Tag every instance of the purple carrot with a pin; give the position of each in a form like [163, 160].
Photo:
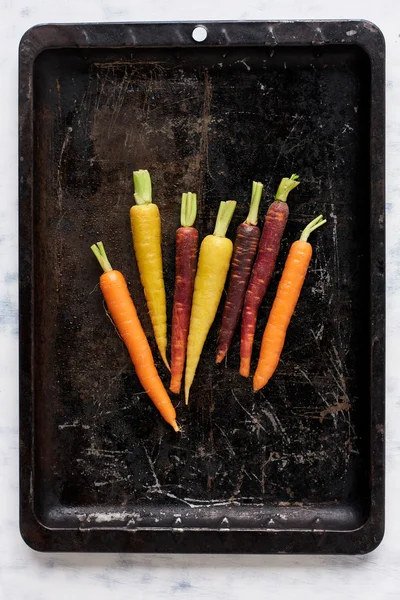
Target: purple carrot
[187, 241]
[274, 226]
[244, 251]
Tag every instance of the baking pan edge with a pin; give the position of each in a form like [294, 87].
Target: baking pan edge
[42, 37]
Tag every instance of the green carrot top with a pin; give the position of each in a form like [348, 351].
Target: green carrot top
[286, 185]
[312, 227]
[224, 217]
[100, 254]
[256, 192]
[188, 209]
[142, 186]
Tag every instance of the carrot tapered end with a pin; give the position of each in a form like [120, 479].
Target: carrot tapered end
[259, 382]
[175, 385]
[187, 395]
[165, 360]
[175, 426]
[244, 367]
[220, 356]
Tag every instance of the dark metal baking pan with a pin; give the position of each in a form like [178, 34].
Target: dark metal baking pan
[297, 468]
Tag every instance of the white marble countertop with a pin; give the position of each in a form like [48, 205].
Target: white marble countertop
[25, 574]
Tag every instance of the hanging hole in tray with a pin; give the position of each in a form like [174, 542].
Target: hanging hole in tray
[199, 34]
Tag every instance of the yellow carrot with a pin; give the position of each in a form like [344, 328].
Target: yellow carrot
[212, 269]
[146, 232]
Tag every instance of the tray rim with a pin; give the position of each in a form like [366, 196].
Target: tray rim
[178, 34]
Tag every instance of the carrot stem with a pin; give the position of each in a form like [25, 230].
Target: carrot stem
[100, 254]
[142, 183]
[317, 222]
[188, 209]
[256, 193]
[224, 217]
[286, 185]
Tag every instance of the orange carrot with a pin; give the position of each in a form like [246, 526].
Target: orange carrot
[284, 304]
[124, 315]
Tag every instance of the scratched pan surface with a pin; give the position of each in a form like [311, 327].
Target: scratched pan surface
[295, 468]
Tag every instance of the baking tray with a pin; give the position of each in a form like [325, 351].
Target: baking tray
[296, 468]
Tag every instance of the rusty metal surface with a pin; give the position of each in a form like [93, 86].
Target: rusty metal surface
[297, 467]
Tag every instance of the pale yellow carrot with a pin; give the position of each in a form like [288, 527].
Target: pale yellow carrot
[212, 269]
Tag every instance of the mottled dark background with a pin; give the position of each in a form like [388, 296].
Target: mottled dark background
[245, 114]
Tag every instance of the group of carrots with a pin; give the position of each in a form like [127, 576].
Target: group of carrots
[199, 283]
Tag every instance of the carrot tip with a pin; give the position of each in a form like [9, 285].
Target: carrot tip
[187, 390]
[175, 426]
[245, 367]
[175, 383]
[258, 383]
[166, 363]
[220, 357]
